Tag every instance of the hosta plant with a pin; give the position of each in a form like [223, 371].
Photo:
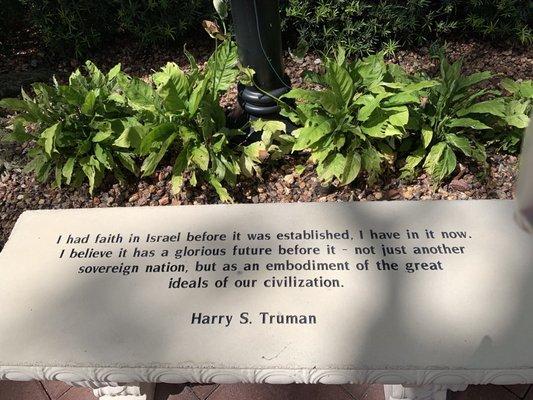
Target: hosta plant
[79, 128]
[182, 115]
[518, 106]
[451, 119]
[353, 123]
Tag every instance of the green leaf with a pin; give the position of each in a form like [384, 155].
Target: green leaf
[130, 138]
[177, 171]
[127, 161]
[326, 98]
[333, 166]
[90, 100]
[261, 125]
[14, 104]
[197, 96]
[311, 96]
[157, 135]
[49, 136]
[103, 156]
[494, 107]
[440, 162]
[97, 78]
[222, 67]
[525, 89]
[467, 123]
[510, 85]
[460, 142]
[153, 160]
[101, 136]
[221, 190]
[379, 125]
[401, 99]
[519, 121]
[90, 172]
[140, 95]
[474, 79]
[352, 167]
[200, 156]
[58, 176]
[418, 86]
[68, 168]
[371, 159]
[114, 72]
[371, 70]
[172, 86]
[341, 83]
[412, 162]
[18, 134]
[221, 8]
[309, 135]
[369, 103]
[400, 116]
[427, 136]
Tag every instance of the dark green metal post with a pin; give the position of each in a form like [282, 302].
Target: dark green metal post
[257, 27]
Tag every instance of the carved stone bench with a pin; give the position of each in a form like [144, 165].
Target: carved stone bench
[423, 297]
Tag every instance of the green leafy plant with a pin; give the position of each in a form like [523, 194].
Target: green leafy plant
[517, 109]
[351, 125]
[74, 27]
[452, 118]
[182, 113]
[82, 130]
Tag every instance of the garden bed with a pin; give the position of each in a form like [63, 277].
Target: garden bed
[280, 182]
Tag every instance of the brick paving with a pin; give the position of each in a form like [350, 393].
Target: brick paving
[61, 391]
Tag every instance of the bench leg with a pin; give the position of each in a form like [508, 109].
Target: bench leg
[142, 391]
[429, 392]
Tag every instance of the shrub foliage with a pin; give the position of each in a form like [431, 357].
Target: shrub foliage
[365, 25]
[74, 26]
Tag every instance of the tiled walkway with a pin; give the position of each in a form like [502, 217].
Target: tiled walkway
[61, 391]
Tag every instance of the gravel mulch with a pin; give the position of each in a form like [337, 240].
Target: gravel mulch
[279, 182]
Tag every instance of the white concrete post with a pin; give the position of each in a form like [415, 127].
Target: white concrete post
[525, 185]
[427, 392]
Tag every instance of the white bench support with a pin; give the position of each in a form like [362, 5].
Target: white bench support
[142, 391]
[429, 392]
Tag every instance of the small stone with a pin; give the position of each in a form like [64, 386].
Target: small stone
[134, 198]
[408, 193]
[20, 197]
[393, 194]
[41, 202]
[378, 195]
[289, 179]
[459, 185]
[164, 201]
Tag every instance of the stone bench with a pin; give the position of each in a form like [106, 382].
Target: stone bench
[422, 297]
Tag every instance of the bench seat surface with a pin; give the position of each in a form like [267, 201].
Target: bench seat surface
[465, 308]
